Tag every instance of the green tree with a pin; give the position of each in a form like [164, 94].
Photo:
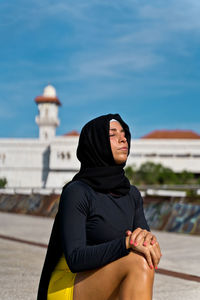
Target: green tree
[3, 182]
[186, 177]
[166, 176]
[150, 173]
[130, 172]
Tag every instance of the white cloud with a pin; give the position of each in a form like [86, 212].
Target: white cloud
[115, 64]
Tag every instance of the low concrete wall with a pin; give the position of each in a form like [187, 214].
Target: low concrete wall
[34, 204]
[162, 213]
[173, 216]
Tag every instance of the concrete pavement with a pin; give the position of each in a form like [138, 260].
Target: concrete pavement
[21, 263]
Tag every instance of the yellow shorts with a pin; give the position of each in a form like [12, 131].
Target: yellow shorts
[61, 285]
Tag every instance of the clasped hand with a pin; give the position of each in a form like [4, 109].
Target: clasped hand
[144, 242]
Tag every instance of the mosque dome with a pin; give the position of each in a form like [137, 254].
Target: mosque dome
[49, 91]
[49, 96]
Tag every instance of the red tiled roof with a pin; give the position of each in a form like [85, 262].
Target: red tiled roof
[172, 134]
[72, 133]
[43, 99]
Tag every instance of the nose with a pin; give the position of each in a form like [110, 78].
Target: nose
[123, 138]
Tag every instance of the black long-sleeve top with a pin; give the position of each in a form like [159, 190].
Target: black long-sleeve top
[90, 229]
[93, 225]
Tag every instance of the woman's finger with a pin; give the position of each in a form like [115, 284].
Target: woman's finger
[147, 239]
[156, 246]
[148, 257]
[141, 236]
[153, 240]
[154, 257]
[134, 235]
[128, 233]
[158, 254]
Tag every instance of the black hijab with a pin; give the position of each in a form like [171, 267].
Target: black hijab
[98, 168]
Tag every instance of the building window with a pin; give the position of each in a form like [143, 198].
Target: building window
[183, 155]
[136, 155]
[150, 155]
[64, 155]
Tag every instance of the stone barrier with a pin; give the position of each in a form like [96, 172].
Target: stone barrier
[162, 213]
[33, 204]
[173, 216]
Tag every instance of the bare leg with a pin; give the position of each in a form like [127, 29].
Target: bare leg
[128, 278]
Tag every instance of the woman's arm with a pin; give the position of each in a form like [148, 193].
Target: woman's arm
[139, 219]
[73, 210]
[141, 239]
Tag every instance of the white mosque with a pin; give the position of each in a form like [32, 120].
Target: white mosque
[49, 161]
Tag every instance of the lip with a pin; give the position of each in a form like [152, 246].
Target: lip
[123, 148]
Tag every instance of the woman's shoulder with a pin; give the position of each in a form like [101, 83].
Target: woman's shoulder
[136, 195]
[134, 190]
[77, 184]
[76, 188]
[75, 199]
[75, 196]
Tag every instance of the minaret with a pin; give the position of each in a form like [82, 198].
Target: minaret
[47, 119]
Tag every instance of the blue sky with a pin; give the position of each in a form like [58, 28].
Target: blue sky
[139, 58]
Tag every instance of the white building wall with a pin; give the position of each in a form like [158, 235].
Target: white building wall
[50, 164]
[63, 163]
[24, 163]
[177, 154]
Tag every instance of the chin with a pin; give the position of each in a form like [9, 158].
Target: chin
[121, 161]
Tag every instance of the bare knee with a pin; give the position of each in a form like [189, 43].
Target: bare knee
[137, 263]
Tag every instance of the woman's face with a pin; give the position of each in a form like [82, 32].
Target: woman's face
[118, 142]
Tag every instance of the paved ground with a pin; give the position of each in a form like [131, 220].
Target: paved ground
[21, 264]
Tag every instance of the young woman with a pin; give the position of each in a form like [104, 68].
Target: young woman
[101, 247]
